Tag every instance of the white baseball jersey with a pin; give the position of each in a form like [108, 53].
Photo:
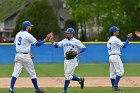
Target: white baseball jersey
[70, 65]
[72, 44]
[23, 41]
[114, 44]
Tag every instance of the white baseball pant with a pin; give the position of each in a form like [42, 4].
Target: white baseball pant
[116, 66]
[24, 60]
[69, 67]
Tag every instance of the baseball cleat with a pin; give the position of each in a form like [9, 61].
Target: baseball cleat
[116, 88]
[11, 91]
[82, 80]
[63, 91]
[41, 91]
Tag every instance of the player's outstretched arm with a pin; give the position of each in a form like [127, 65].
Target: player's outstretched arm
[47, 38]
[55, 44]
[82, 48]
[52, 40]
[43, 41]
[51, 37]
[127, 40]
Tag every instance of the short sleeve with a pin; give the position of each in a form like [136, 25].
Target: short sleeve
[31, 39]
[60, 43]
[119, 43]
[79, 44]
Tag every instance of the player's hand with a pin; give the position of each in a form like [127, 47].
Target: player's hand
[76, 52]
[137, 33]
[130, 35]
[50, 35]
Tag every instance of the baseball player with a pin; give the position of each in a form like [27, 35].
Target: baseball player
[70, 44]
[116, 66]
[23, 41]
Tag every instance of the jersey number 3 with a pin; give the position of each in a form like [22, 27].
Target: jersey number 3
[19, 40]
[109, 47]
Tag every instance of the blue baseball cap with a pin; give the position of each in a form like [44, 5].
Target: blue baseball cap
[70, 31]
[26, 23]
[113, 29]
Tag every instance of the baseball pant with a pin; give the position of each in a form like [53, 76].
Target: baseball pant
[24, 60]
[116, 66]
[69, 67]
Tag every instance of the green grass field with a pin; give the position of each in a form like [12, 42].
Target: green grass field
[84, 69]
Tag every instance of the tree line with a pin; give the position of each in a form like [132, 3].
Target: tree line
[96, 16]
[90, 18]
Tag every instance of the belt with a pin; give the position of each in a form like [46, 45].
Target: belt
[114, 54]
[23, 52]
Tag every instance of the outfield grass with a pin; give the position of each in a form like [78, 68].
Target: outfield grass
[84, 69]
[76, 90]
[51, 70]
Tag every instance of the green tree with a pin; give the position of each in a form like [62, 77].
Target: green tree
[106, 13]
[132, 11]
[42, 16]
[81, 13]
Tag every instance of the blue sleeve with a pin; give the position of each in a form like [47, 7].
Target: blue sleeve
[126, 43]
[82, 49]
[40, 43]
[56, 45]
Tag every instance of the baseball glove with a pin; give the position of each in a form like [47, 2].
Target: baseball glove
[70, 55]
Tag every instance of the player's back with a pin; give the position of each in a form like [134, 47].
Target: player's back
[22, 41]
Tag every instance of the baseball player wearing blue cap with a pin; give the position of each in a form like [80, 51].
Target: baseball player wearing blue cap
[70, 44]
[116, 66]
[23, 41]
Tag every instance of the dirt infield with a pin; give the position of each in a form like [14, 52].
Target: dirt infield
[58, 82]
